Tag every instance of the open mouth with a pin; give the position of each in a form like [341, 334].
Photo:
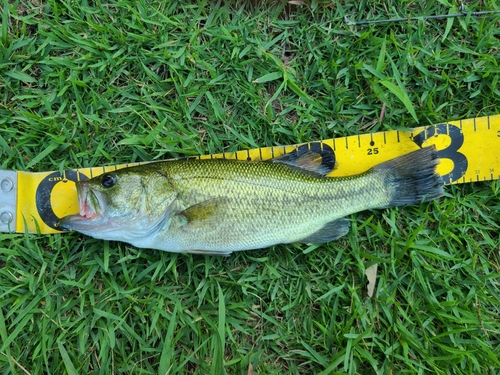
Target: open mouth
[87, 201]
[91, 204]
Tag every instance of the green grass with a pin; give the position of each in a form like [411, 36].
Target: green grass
[91, 83]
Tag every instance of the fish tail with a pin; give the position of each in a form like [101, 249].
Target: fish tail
[412, 178]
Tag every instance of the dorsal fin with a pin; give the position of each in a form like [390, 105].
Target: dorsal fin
[317, 161]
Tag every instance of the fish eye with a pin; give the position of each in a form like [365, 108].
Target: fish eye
[108, 180]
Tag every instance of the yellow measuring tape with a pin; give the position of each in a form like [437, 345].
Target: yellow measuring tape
[469, 152]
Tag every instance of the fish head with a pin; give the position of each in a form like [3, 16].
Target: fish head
[124, 205]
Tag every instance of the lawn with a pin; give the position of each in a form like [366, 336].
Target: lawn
[90, 83]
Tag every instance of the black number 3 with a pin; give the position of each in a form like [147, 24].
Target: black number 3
[460, 162]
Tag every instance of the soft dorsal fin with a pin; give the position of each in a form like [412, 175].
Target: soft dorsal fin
[318, 162]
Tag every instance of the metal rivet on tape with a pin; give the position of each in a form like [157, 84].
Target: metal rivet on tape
[6, 184]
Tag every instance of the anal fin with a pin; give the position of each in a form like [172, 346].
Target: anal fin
[331, 231]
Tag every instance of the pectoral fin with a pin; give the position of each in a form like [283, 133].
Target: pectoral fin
[331, 231]
[196, 215]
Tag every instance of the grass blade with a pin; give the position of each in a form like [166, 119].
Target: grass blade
[268, 77]
[168, 345]
[20, 76]
[5, 22]
[70, 368]
[51, 147]
[401, 95]
[219, 340]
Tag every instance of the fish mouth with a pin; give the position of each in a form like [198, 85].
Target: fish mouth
[92, 204]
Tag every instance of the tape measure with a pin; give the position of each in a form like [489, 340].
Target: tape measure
[468, 149]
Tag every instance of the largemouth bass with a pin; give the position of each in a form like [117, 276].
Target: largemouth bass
[217, 206]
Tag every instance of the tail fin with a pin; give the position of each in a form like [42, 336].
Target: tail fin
[412, 177]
